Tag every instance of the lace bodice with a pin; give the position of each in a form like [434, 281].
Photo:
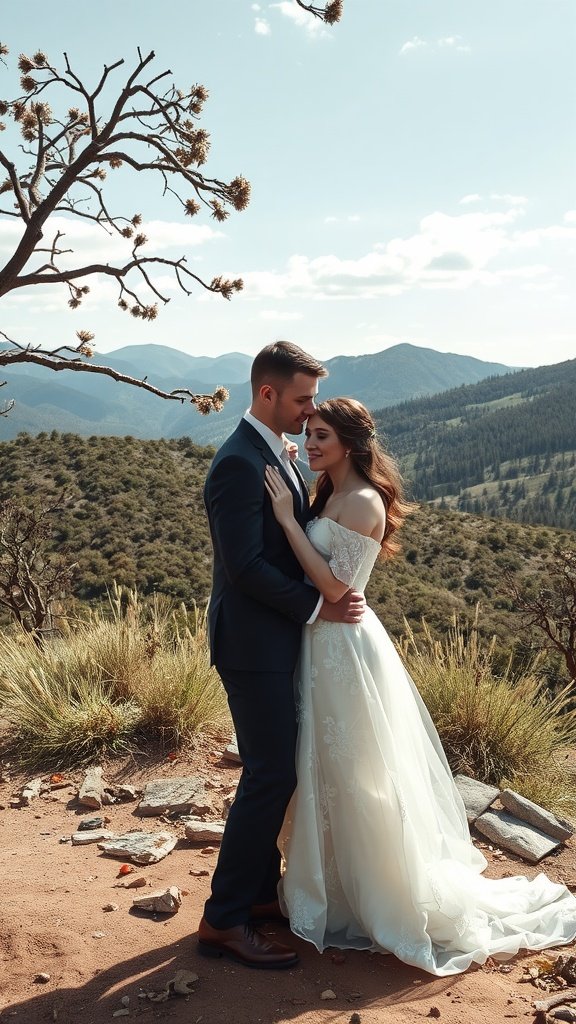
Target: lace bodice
[350, 555]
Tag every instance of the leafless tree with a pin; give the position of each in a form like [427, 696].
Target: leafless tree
[31, 578]
[550, 605]
[150, 127]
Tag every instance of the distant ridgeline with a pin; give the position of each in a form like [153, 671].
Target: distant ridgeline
[134, 513]
[503, 447]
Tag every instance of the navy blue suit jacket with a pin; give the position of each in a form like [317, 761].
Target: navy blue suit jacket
[259, 601]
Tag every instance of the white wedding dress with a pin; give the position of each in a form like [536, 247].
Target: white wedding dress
[376, 844]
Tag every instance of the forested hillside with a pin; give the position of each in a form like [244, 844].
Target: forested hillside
[133, 512]
[505, 446]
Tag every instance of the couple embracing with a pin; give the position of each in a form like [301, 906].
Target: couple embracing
[346, 821]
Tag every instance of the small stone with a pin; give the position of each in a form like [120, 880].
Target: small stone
[180, 795]
[203, 831]
[91, 792]
[198, 874]
[30, 791]
[125, 1000]
[127, 792]
[167, 901]
[86, 838]
[433, 1012]
[42, 978]
[182, 981]
[355, 1018]
[141, 847]
[135, 883]
[98, 935]
[108, 908]
[124, 1012]
[89, 823]
[231, 752]
[208, 850]
[328, 994]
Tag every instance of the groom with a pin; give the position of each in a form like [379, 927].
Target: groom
[258, 606]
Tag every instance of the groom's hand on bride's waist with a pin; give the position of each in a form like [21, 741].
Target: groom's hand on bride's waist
[350, 608]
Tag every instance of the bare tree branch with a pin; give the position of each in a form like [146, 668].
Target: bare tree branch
[145, 131]
[31, 579]
[51, 360]
[330, 12]
[550, 604]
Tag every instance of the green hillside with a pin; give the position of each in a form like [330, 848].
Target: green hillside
[505, 446]
[135, 514]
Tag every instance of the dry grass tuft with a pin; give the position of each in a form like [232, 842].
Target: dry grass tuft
[133, 670]
[505, 729]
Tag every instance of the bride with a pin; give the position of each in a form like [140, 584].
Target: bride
[375, 842]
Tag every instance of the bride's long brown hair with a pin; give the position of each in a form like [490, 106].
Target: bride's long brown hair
[355, 429]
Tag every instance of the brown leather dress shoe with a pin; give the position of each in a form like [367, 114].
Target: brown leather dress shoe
[268, 912]
[244, 945]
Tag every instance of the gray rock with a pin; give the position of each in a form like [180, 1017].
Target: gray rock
[91, 793]
[30, 791]
[515, 835]
[125, 792]
[535, 815]
[140, 847]
[177, 796]
[203, 831]
[89, 823]
[477, 796]
[92, 836]
[166, 901]
[231, 752]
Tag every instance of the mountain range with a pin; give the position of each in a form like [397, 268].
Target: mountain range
[91, 404]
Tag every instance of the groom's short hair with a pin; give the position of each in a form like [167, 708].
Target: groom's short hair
[280, 361]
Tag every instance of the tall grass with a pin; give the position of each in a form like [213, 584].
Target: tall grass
[500, 727]
[133, 670]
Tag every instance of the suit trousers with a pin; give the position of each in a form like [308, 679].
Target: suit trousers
[248, 869]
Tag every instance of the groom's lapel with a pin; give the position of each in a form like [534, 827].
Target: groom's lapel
[270, 459]
[303, 488]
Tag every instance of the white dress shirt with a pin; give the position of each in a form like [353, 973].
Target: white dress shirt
[276, 443]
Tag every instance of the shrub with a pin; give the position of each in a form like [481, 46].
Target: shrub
[134, 669]
[503, 729]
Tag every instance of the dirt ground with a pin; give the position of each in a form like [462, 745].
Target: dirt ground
[52, 920]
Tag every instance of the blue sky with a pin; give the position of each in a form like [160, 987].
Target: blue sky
[413, 172]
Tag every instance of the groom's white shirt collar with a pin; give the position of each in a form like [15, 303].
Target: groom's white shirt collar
[272, 440]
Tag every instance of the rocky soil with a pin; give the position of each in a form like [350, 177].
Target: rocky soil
[65, 958]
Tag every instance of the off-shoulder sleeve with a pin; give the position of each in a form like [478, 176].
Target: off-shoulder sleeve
[348, 552]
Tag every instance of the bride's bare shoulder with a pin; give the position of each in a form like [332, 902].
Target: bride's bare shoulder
[363, 511]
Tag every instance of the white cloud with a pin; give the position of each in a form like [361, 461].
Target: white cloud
[570, 217]
[413, 44]
[262, 27]
[313, 27]
[90, 242]
[498, 197]
[275, 314]
[256, 7]
[454, 43]
[350, 218]
[508, 199]
[482, 248]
